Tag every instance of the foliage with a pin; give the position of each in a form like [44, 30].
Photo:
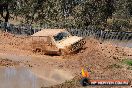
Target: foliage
[128, 62]
[69, 13]
[95, 12]
[120, 25]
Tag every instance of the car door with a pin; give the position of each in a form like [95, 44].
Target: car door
[50, 46]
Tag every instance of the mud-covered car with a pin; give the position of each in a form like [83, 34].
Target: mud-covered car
[56, 41]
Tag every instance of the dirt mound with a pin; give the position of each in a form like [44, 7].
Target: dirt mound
[10, 41]
[102, 60]
[98, 55]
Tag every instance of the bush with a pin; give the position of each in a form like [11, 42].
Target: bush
[120, 25]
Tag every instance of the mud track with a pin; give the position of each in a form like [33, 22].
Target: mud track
[103, 60]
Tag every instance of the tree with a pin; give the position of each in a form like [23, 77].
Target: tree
[5, 7]
[129, 6]
[67, 13]
[94, 12]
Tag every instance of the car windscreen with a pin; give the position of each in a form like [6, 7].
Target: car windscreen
[61, 35]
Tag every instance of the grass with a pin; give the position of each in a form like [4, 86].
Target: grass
[128, 62]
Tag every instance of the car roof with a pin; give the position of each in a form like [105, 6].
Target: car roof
[48, 32]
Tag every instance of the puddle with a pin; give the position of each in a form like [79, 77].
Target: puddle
[25, 78]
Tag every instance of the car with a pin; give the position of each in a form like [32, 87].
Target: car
[56, 41]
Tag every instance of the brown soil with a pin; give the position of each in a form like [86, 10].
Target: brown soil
[103, 60]
[7, 62]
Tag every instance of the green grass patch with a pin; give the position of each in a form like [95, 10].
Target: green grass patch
[128, 62]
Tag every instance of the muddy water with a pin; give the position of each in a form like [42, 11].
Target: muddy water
[25, 78]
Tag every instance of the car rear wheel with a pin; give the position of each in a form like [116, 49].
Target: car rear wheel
[38, 50]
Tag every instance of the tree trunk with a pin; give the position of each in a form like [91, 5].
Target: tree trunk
[7, 16]
[7, 13]
[2, 7]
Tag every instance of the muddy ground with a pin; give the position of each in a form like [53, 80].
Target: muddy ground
[102, 59]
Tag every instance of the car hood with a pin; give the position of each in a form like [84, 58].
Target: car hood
[68, 41]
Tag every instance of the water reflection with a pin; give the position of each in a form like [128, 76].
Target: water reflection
[24, 78]
[18, 78]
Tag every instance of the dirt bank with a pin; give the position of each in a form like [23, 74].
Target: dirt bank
[103, 61]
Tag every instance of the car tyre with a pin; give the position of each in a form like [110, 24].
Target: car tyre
[38, 50]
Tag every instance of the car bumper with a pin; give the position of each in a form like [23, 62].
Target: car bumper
[77, 45]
